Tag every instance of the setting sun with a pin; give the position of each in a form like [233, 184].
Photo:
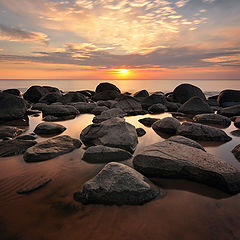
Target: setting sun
[124, 71]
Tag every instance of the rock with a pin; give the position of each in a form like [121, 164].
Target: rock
[35, 93]
[105, 86]
[129, 105]
[49, 128]
[195, 105]
[99, 110]
[50, 98]
[34, 186]
[141, 94]
[72, 97]
[26, 137]
[117, 184]
[213, 102]
[87, 93]
[148, 122]
[230, 111]
[184, 92]
[39, 106]
[51, 148]
[21, 122]
[212, 119]
[59, 110]
[84, 107]
[140, 132]
[236, 133]
[11, 107]
[114, 132]
[197, 131]
[32, 112]
[236, 152]
[7, 131]
[157, 108]
[174, 160]
[108, 103]
[50, 118]
[15, 147]
[168, 125]
[154, 98]
[171, 106]
[186, 141]
[13, 91]
[237, 122]
[102, 154]
[105, 115]
[106, 95]
[228, 98]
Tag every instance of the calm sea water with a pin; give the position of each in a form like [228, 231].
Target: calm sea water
[190, 211]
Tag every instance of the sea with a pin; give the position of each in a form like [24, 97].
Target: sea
[189, 210]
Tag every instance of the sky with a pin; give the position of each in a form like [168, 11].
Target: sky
[109, 39]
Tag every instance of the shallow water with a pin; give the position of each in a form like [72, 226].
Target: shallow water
[188, 211]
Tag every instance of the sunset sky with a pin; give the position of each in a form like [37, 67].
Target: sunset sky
[108, 39]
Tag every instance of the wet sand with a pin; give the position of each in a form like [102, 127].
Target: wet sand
[188, 211]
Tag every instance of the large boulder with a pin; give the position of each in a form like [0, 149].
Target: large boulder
[72, 97]
[84, 107]
[11, 107]
[175, 160]
[141, 94]
[157, 108]
[237, 122]
[107, 103]
[230, 111]
[101, 154]
[195, 105]
[51, 148]
[51, 97]
[105, 86]
[105, 115]
[99, 109]
[236, 152]
[197, 131]
[168, 125]
[115, 132]
[117, 184]
[59, 110]
[9, 132]
[35, 93]
[13, 91]
[154, 98]
[15, 147]
[129, 105]
[49, 128]
[105, 95]
[215, 119]
[148, 122]
[185, 91]
[228, 98]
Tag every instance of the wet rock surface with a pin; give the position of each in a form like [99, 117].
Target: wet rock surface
[236, 152]
[148, 122]
[230, 111]
[49, 128]
[157, 108]
[105, 115]
[228, 98]
[140, 132]
[168, 125]
[84, 107]
[11, 132]
[59, 110]
[117, 184]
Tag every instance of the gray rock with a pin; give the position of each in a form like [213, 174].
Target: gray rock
[148, 122]
[236, 152]
[59, 110]
[184, 92]
[175, 160]
[154, 98]
[105, 95]
[102, 154]
[105, 115]
[171, 106]
[72, 97]
[168, 125]
[230, 111]
[51, 97]
[212, 119]
[140, 132]
[51, 148]
[108, 103]
[84, 107]
[14, 147]
[228, 98]
[186, 141]
[13, 91]
[11, 132]
[98, 110]
[236, 133]
[197, 131]
[26, 137]
[39, 106]
[11, 107]
[237, 122]
[49, 128]
[141, 94]
[195, 105]
[114, 132]
[105, 86]
[157, 108]
[117, 184]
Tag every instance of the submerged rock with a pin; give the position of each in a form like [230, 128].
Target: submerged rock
[168, 125]
[26, 137]
[140, 132]
[11, 132]
[49, 128]
[100, 154]
[185, 91]
[117, 184]
[114, 132]
[197, 131]
[15, 147]
[236, 152]
[230, 111]
[212, 119]
[174, 160]
[148, 122]
[105, 115]
[51, 148]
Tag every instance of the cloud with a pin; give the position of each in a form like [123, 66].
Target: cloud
[181, 3]
[19, 35]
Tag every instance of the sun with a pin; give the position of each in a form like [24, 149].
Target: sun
[123, 71]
